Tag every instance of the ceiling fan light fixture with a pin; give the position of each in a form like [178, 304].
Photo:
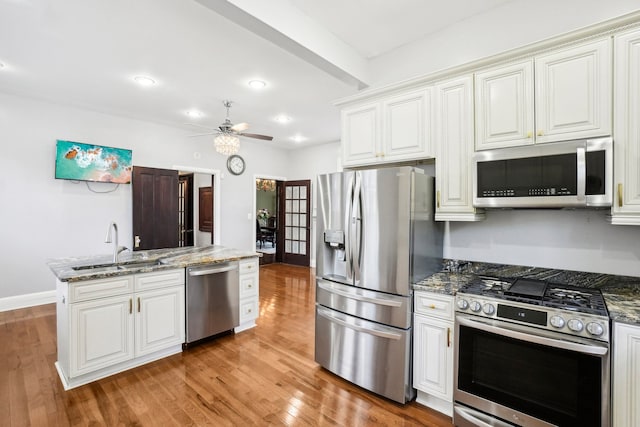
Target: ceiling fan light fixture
[226, 144]
[257, 84]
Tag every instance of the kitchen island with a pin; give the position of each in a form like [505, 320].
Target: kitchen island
[113, 316]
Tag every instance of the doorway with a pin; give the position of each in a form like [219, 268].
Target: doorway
[266, 202]
[283, 220]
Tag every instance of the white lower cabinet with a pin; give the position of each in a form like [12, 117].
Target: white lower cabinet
[433, 350]
[109, 325]
[626, 371]
[249, 292]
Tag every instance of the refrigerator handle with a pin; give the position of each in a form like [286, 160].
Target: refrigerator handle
[347, 229]
[356, 227]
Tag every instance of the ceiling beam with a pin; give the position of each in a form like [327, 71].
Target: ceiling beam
[287, 27]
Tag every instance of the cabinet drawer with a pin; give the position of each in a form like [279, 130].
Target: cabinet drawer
[434, 305]
[159, 279]
[100, 288]
[248, 310]
[248, 266]
[248, 285]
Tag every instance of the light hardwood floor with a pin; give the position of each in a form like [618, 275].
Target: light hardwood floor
[262, 376]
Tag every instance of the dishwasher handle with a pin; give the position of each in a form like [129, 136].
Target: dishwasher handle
[214, 270]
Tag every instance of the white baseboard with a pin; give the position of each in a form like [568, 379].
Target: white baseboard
[27, 300]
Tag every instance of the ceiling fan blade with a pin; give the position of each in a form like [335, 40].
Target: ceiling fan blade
[240, 127]
[256, 136]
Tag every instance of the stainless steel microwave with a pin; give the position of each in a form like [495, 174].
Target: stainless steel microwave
[554, 175]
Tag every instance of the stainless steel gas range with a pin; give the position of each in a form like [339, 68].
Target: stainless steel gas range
[531, 353]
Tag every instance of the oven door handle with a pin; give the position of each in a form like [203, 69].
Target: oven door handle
[536, 339]
[478, 418]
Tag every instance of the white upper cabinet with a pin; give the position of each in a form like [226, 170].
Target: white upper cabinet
[395, 129]
[626, 205]
[568, 96]
[407, 126]
[573, 92]
[454, 133]
[504, 106]
[361, 133]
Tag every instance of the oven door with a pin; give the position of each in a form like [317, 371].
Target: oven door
[528, 376]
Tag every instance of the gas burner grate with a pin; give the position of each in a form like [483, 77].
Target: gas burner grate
[573, 298]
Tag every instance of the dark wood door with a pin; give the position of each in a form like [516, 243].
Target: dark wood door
[205, 202]
[295, 214]
[155, 208]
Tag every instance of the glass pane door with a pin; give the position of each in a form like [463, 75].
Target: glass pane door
[297, 222]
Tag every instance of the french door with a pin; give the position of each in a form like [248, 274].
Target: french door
[295, 214]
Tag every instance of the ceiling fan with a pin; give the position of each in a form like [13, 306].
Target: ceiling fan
[227, 141]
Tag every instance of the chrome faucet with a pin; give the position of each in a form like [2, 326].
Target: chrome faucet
[107, 239]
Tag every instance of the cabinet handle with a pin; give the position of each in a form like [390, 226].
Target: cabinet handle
[130, 306]
[432, 306]
[438, 199]
[620, 195]
[138, 304]
[540, 133]
[448, 337]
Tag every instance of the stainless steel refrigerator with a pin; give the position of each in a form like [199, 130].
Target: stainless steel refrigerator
[375, 236]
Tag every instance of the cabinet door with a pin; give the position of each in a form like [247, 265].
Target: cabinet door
[626, 371]
[361, 134]
[101, 334]
[573, 92]
[433, 357]
[159, 319]
[407, 126]
[626, 206]
[454, 136]
[504, 106]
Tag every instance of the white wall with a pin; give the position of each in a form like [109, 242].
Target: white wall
[308, 163]
[514, 24]
[47, 218]
[580, 240]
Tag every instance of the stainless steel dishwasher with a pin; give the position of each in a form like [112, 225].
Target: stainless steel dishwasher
[212, 300]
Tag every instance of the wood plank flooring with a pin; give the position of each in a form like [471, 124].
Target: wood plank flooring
[263, 376]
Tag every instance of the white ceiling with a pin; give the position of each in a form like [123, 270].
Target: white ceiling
[86, 52]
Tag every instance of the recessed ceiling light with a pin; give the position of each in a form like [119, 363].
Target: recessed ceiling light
[282, 118]
[194, 114]
[2, 65]
[257, 84]
[298, 138]
[144, 80]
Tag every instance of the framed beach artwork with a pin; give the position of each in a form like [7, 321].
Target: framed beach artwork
[86, 162]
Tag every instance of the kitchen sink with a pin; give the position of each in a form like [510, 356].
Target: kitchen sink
[127, 265]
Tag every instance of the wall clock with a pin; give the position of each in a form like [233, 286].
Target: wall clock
[235, 164]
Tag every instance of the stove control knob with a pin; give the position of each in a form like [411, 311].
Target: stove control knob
[463, 304]
[575, 325]
[557, 322]
[475, 306]
[595, 329]
[488, 309]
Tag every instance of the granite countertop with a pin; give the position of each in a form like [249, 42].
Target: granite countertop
[621, 293]
[66, 269]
